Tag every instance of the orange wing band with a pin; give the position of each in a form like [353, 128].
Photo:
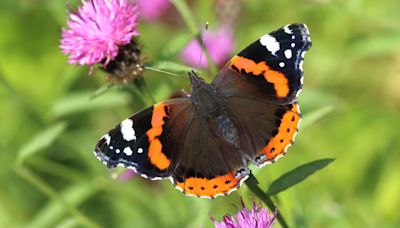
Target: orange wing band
[280, 82]
[203, 187]
[155, 154]
[285, 136]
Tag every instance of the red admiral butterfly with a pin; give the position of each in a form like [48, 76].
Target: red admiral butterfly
[203, 143]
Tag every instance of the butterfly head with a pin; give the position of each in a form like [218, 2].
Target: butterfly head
[195, 80]
[203, 94]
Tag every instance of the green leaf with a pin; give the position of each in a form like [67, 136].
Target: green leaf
[101, 90]
[374, 46]
[175, 45]
[40, 141]
[170, 66]
[314, 116]
[85, 101]
[297, 175]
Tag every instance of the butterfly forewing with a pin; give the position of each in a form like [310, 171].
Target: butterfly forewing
[137, 142]
[275, 61]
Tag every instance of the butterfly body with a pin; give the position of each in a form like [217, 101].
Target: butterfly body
[210, 107]
[204, 143]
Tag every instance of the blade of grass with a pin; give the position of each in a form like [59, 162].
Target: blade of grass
[55, 209]
[56, 169]
[30, 110]
[314, 116]
[40, 141]
[67, 223]
[83, 102]
[202, 209]
[5, 216]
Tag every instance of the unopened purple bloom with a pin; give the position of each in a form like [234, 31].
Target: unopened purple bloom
[257, 217]
[151, 10]
[97, 29]
[127, 175]
[219, 44]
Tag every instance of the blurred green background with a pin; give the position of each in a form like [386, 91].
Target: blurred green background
[49, 176]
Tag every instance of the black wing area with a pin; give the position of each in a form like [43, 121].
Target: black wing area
[274, 62]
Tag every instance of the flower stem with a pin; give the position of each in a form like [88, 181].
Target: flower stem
[142, 85]
[135, 93]
[187, 16]
[252, 184]
[148, 91]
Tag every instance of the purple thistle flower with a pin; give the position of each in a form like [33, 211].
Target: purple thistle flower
[257, 217]
[97, 29]
[219, 44]
[151, 10]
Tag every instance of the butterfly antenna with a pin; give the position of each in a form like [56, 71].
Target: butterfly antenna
[203, 42]
[161, 71]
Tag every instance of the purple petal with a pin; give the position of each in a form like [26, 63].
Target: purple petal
[257, 217]
[219, 45]
[127, 175]
[151, 10]
[97, 29]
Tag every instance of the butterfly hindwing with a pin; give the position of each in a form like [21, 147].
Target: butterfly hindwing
[207, 165]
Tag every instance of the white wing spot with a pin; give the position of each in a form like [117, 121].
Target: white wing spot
[287, 30]
[288, 53]
[117, 151]
[292, 45]
[128, 151]
[128, 133]
[293, 37]
[107, 138]
[140, 150]
[281, 64]
[111, 147]
[270, 43]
